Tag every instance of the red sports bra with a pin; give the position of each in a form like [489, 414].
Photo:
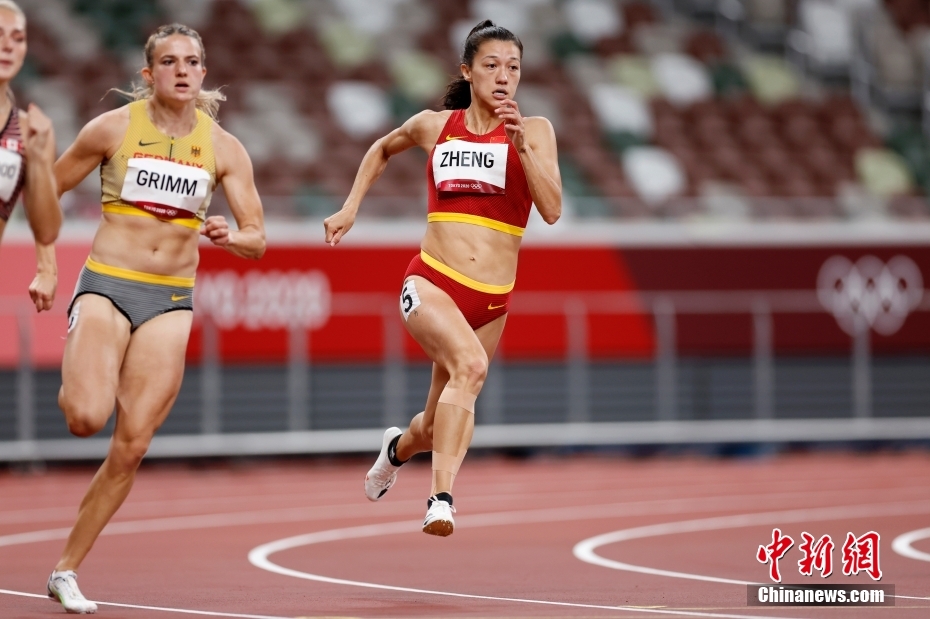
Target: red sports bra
[477, 179]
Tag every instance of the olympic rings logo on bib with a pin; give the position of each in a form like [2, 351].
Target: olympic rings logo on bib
[165, 188]
[470, 167]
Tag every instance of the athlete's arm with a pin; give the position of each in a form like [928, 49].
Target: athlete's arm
[534, 140]
[43, 287]
[234, 172]
[419, 130]
[40, 196]
[99, 139]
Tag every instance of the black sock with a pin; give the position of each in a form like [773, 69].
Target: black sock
[392, 452]
[440, 496]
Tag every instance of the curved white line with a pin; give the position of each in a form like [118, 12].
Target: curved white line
[258, 557]
[204, 521]
[183, 611]
[585, 549]
[902, 544]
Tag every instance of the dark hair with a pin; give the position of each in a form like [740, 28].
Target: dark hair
[458, 92]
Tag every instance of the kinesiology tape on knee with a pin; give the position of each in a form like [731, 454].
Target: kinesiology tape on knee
[445, 462]
[458, 397]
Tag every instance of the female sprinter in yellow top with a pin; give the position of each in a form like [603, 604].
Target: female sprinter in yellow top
[488, 165]
[161, 157]
[27, 142]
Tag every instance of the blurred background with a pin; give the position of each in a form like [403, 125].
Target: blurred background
[741, 256]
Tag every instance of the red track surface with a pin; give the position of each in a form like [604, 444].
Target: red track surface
[183, 538]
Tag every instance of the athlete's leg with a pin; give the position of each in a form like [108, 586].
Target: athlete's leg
[419, 436]
[439, 327]
[97, 340]
[149, 381]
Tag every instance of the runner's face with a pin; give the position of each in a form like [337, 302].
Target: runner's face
[12, 44]
[176, 72]
[494, 72]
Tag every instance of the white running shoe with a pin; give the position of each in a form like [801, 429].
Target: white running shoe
[62, 586]
[438, 519]
[383, 474]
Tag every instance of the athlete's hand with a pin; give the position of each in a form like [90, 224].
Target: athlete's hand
[513, 122]
[337, 224]
[42, 290]
[217, 230]
[38, 135]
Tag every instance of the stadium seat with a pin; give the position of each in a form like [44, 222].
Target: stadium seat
[770, 79]
[360, 108]
[883, 172]
[620, 109]
[681, 79]
[592, 20]
[654, 173]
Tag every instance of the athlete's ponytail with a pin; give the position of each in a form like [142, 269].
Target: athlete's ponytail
[208, 101]
[458, 92]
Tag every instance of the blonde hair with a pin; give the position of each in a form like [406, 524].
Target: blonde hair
[12, 6]
[208, 101]
[9, 5]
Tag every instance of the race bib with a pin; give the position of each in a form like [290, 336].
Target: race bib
[409, 299]
[470, 167]
[11, 164]
[164, 188]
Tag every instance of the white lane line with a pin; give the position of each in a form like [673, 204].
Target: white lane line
[206, 521]
[146, 508]
[323, 512]
[490, 519]
[902, 544]
[258, 557]
[182, 611]
[585, 549]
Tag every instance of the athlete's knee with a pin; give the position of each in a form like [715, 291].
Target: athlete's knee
[127, 454]
[83, 419]
[470, 370]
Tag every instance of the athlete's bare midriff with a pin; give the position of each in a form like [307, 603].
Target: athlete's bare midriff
[147, 245]
[483, 254]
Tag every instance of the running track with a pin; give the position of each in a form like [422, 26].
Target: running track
[659, 538]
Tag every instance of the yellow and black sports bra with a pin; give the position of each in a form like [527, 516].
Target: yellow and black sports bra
[154, 175]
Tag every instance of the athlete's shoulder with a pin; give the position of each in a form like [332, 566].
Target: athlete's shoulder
[228, 151]
[429, 119]
[107, 128]
[114, 116]
[538, 124]
[222, 138]
[425, 127]
[539, 130]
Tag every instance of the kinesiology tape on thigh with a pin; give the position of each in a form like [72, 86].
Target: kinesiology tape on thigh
[458, 397]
